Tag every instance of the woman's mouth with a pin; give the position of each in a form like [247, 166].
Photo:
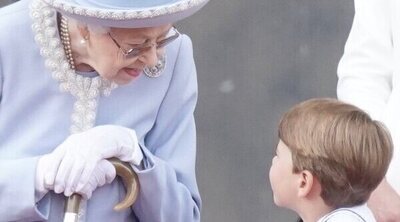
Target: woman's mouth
[132, 71]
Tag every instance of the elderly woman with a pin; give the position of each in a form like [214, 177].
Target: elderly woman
[85, 80]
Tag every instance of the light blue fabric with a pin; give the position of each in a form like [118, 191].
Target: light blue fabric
[35, 118]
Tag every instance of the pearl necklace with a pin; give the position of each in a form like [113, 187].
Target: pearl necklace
[66, 41]
[58, 59]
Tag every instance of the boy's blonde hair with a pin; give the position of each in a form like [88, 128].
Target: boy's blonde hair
[347, 151]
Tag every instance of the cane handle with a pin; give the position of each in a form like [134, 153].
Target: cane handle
[130, 180]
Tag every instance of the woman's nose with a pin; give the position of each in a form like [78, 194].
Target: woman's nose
[150, 57]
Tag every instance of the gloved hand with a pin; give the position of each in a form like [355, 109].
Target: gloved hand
[44, 163]
[72, 163]
[102, 174]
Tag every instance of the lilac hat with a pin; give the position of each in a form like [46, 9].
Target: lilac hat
[127, 13]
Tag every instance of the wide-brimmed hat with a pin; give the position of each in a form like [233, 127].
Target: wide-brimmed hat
[127, 13]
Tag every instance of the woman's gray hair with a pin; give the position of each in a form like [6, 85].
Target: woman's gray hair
[98, 29]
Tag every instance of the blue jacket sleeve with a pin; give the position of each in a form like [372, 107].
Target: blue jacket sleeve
[168, 185]
[17, 175]
[17, 197]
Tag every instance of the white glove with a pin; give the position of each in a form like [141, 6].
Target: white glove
[44, 163]
[102, 174]
[80, 153]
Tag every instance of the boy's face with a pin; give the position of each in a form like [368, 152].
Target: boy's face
[283, 180]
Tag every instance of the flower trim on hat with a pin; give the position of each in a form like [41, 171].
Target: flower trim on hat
[125, 14]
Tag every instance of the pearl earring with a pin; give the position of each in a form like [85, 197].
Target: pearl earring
[83, 41]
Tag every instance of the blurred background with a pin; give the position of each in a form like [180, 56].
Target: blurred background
[255, 59]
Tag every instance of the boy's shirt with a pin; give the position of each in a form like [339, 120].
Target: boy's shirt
[359, 213]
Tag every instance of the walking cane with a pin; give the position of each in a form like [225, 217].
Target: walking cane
[130, 180]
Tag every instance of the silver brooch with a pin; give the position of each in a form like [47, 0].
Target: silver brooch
[157, 70]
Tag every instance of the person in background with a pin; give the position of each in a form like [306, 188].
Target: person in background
[82, 81]
[330, 157]
[368, 74]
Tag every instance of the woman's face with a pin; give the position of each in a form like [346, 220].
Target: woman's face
[109, 60]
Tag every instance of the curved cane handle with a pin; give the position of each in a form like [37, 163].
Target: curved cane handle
[130, 180]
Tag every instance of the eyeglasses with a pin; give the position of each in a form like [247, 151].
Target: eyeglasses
[133, 52]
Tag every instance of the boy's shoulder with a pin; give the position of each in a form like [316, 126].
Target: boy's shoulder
[359, 213]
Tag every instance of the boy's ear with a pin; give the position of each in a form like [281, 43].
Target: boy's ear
[306, 182]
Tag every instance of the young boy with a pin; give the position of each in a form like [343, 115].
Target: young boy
[329, 159]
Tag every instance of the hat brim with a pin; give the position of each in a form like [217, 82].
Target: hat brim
[137, 18]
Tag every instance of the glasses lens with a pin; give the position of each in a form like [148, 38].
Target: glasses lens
[133, 52]
[169, 39]
[137, 51]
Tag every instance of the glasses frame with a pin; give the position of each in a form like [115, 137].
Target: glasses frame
[136, 51]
